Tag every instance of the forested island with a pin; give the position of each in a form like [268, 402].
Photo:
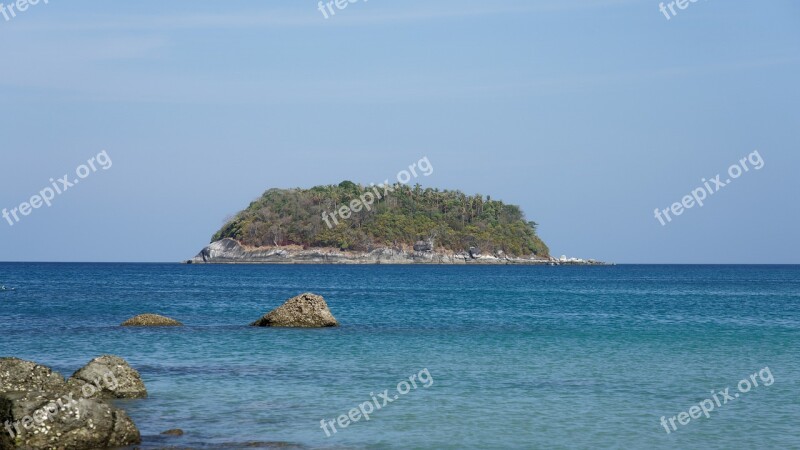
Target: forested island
[352, 223]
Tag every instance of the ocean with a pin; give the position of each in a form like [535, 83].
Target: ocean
[493, 356]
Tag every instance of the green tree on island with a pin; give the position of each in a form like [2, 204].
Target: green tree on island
[453, 220]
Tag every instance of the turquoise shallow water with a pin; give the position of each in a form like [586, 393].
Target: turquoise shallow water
[520, 357]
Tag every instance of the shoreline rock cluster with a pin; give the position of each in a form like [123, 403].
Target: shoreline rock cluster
[230, 251]
[40, 409]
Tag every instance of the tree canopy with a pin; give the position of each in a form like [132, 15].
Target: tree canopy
[453, 220]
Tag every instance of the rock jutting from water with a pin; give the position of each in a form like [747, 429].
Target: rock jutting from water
[108, 376]
[150, 320]
[303, 311]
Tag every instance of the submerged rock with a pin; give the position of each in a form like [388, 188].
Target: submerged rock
[107, 376]
[304, 311]
[150, 320]
[173, 432]
[18, 375]
[45, 420]
[261, 444]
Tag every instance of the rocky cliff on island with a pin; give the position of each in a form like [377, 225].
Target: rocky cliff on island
[398, 224]
[229, 251]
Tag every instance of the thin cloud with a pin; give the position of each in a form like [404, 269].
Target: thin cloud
[358, 14]
[175, 88]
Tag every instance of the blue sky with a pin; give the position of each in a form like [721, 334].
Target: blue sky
[588, 114]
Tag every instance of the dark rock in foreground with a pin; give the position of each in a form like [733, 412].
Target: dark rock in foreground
[44, 420]
[107, 376]
[39, 410]
[304, 311]
[150, 320]
[18, 375]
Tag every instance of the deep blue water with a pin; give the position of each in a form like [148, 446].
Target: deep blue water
[520, 357]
